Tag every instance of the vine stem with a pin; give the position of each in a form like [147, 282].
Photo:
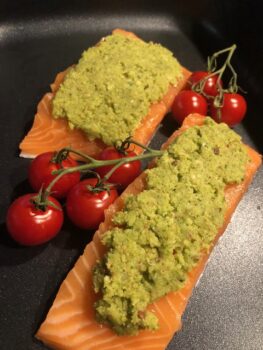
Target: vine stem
[93, 163]
[229, 49]
[199, 86]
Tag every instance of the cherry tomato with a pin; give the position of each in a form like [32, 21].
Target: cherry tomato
[233, 110]
[86, 208]
[40, 174]
[29, 225]
[210, 87]
[123, 175]
[187, 102]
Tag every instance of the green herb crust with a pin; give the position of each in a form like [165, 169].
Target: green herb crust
[110, 90]
[161, 232]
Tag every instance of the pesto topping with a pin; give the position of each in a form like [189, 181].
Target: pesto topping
[110, 90]
[162, 232]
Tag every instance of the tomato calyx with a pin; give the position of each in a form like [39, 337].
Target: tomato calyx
[123, 146]
[41, 201]
[101, 184]
[59, 157]
[100, 187]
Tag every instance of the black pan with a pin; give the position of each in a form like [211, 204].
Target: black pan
[39, 39]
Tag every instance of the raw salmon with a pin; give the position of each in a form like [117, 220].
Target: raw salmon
[50, 134]
[70, 323]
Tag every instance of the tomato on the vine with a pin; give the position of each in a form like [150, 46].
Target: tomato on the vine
[30, 225]
[210, 86]
[40, 174]
[233, 110]
[85, 207]
[187, 102]
[123, 175]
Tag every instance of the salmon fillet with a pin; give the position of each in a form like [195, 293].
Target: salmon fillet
[70, 323]
[50, 134]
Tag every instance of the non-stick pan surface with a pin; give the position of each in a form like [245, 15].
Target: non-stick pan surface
[226, 309]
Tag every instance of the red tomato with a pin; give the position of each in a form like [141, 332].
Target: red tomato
[29, 225]
[210, 87]
[40, 174]
[126, 173]
[86, 208]
[233, 110]
[187, 102]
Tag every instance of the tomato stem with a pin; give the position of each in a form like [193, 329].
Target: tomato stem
[142, 146]
[109, 173]
[124, 146]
